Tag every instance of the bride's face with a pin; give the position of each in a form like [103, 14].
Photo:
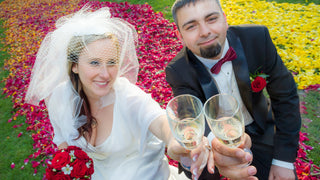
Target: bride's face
[97, 68]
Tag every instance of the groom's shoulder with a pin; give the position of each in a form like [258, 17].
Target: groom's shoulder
[248, 32]
[180, 58]
[248, 29]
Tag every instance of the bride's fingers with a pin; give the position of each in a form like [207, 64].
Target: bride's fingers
[195, 153]
[210, 163]
[200, 158]
[63, 145]
[175, 150]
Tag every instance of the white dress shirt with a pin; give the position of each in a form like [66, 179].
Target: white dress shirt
[226, 83]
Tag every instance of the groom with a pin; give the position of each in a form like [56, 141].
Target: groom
[272, 123]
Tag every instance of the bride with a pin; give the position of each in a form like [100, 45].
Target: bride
[86, 71]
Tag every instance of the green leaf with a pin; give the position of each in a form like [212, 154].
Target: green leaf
[264, 76]
[159, 72]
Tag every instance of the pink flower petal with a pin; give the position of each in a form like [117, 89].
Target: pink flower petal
[12, 165]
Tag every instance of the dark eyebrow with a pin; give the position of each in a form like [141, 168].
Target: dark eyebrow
[189, 22]
[213, 13]
[192, 21]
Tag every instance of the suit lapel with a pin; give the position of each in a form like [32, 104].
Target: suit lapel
[240, 68]
[207, 84]
[241, 71]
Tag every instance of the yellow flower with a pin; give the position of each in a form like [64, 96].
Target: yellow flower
[294, 29]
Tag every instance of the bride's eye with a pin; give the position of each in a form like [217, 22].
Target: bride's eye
[112, 62]
[95, 63]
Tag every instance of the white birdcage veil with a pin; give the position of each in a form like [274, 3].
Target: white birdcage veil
[50, 72]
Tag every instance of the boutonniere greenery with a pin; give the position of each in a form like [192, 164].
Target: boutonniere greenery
[258, 81]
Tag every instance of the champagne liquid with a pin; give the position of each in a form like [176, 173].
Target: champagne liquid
[228, 130]
[188, 133]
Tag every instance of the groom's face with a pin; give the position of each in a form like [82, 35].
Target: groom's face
[203, 28]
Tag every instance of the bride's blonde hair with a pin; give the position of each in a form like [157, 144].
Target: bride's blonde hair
[77, 45]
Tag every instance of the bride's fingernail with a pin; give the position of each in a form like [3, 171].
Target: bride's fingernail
[195, 158]
[194, 172]
[212, 169]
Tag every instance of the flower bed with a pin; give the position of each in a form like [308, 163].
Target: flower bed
[27, 22]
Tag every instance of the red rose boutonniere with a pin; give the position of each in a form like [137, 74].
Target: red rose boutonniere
[71, 163]
[258, 81]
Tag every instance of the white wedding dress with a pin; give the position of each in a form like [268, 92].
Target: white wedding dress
[131, 151]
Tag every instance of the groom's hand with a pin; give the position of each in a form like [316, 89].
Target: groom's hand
[228, 160]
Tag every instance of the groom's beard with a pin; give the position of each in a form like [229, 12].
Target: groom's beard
[211, 51]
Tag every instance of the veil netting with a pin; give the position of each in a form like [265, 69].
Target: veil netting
[50, 80]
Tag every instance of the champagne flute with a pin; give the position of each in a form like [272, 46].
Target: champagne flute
[225, 120]
[187, 124]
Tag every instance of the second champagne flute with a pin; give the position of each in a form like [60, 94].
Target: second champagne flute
[225, 120]
[187, 124]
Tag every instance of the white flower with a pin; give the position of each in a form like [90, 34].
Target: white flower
[72, 155]
[67, 169]
[88, 164]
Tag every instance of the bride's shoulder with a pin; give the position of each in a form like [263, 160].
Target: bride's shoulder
[123, 85]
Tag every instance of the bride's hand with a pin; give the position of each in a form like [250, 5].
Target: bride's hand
[63, 145]
[175, 150]
[200, 158]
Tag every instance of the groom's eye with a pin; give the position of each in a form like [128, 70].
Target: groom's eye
[212, 19]
[191, 26]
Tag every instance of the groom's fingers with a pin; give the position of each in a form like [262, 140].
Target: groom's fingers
[231, 152]
[222, 160]
[246, 142]
[238, 154]
[246, 173]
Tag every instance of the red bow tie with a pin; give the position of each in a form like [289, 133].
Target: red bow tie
[230, 55]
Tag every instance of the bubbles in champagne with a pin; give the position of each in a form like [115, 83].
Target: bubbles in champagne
[188, 133]
[228, 130]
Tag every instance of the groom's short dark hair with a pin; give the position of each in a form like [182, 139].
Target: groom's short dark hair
[181, 3]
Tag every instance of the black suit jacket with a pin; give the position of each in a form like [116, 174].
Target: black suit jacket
[255, 51]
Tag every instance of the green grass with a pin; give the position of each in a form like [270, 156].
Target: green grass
[14, 149]
[312, 100]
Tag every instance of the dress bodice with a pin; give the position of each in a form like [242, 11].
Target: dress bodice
[131, 151]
